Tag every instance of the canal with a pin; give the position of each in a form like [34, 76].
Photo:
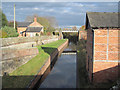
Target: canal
[63, 73]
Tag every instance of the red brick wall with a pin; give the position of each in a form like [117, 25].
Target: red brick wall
[103, 54]
[105, 67]
[82, 34]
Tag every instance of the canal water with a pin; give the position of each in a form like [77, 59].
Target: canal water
[63, 74]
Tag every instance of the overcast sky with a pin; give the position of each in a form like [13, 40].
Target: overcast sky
[66, 13]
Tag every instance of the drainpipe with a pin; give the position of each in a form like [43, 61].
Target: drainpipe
[93, 53]
[107, 43]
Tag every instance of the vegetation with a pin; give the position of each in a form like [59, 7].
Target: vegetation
[82, 27]
[11, 24]
[8, 32]
[74, 28]
[7, 29]
[22, 76]
[82, 73]
[48, 22]
[4, 19]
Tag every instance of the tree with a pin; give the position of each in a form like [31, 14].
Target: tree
[4, 19]
[11, 24]
[47, 22]
[82, 27]
[74, 28]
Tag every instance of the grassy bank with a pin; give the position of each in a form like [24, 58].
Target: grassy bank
[24, 74]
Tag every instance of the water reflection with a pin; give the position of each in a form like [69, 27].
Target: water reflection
[63, 74]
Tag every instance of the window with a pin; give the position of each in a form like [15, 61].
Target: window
[20, 32]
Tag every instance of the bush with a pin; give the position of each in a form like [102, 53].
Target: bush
[11, 32]
[3, 34]
[37, 34]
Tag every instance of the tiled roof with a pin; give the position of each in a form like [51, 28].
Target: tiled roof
[102, 19]
[33, 29]
[35, 24]
[23, 24]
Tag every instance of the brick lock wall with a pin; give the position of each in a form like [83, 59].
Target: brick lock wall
[105, 66]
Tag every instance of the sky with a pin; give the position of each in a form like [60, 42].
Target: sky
[60, 0]
[66, 13]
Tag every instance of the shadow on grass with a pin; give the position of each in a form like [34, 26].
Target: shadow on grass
[25, 81]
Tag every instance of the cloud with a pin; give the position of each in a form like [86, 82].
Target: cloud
[36, 8]
[60, 1]
[65, 13]
[75, 4]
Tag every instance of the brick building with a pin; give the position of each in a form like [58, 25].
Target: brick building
[103, 44]
[29, 28]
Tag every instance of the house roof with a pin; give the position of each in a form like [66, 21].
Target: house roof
[33, 29]
[102, 19]
[23, 24]
[35, 24]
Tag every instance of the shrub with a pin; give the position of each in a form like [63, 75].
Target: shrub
[37, 34]
[3, 34]
[11, 32]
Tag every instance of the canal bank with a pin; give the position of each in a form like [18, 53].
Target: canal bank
[63, 74]
[48, 63]
[22, 76]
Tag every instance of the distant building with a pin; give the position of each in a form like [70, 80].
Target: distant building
[29, 28]
[103, 46]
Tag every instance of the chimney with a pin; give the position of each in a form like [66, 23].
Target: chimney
[35, 19]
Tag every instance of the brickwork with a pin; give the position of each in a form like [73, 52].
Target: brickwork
[82, 35]
[101, 39]
[89, 47]
[105, 54]
[58, 51]
[19, 40]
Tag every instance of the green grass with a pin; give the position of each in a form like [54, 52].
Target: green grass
[23, 74]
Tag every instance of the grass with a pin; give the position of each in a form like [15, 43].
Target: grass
[23, 74]
[81, 64]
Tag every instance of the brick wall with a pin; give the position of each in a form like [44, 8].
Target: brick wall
[82, 35]
[103, 54]
[18, 40]
[19, 50]
[89, 47]
[106, 55]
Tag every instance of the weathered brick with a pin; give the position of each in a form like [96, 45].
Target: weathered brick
[113, 56]
[113, 47]
[105, 71]
[101, 47]
[100, 40]
[100, 56]
[114, 40]
[100, 32]
[113, 33]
